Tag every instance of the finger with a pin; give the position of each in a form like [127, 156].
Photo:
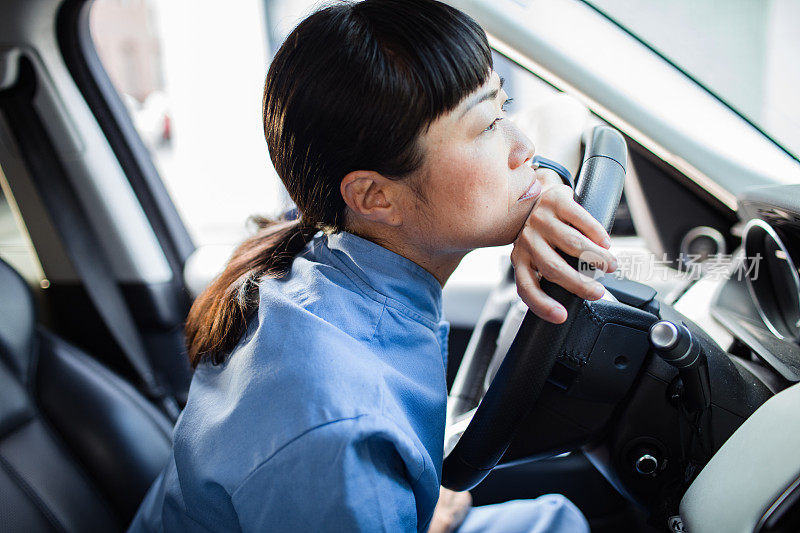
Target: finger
[571, 241]
[535, 298]
[574, 213]
[554, 268]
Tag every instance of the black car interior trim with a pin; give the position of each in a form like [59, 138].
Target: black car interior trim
[75, 231]
[79, 446]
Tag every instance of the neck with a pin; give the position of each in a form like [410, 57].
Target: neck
[440, 264]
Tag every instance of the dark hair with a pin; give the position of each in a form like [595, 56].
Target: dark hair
[352, 88]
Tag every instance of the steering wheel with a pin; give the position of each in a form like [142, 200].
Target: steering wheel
[526, 367]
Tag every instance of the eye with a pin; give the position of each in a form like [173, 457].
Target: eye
[504, 109]
[491, 126]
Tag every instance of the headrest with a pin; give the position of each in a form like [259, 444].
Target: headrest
[17, 321]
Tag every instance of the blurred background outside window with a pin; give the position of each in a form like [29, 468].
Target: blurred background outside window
[192, 74]
[744, 51]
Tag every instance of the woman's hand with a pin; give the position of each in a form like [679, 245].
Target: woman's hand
[557, 221]
[450, 511]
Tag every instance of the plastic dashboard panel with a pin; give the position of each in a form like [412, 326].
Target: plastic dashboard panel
[733, 307]
[734, 310]
[751, 474]
[755, 475]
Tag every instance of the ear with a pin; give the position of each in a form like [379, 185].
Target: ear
[372, 196]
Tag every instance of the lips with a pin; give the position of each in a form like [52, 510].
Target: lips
[533, 191]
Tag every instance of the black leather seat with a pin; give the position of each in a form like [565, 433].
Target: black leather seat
[79, 446]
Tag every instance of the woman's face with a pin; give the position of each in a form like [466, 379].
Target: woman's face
[476, 176]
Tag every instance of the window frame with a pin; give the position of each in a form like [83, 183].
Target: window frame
[79, 54]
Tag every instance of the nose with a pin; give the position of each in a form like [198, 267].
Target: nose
[522, 148]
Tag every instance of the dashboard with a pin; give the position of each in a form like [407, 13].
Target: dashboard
[759, 304]
[752, 483]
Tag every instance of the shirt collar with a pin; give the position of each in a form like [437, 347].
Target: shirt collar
[393, 276]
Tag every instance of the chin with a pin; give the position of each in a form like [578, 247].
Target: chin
[501, 234]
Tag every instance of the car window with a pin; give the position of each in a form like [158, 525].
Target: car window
[195, 99]
[744, 51]
[16, 248]
[192, 76]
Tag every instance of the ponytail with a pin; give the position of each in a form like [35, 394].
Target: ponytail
[218, 317]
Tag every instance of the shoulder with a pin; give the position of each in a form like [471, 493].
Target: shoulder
[347, 441]
[267, 394]
[358, 473]
[295, 370]
[320, 297]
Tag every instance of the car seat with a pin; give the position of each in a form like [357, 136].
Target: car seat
[79, 446]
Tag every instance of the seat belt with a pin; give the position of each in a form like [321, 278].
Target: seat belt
[75, 232]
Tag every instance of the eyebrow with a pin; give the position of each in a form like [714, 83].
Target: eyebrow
[491, 95]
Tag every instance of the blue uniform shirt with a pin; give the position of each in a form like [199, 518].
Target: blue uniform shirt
[330, 412]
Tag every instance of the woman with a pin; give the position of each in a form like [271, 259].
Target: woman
[318, 401]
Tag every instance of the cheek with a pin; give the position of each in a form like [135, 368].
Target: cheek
[478, 178]
[470, 193]
[469, 188]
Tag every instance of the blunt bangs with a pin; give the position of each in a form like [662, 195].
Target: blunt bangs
[436, 54]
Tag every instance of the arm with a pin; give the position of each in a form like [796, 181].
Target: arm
[347, 475]
[451, 509]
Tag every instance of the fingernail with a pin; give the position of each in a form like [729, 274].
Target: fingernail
[559, 314]
[613, 264]
[606, 242]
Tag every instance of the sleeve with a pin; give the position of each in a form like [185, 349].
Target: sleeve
[348, 475]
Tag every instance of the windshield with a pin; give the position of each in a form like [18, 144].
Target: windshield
[743, 51]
